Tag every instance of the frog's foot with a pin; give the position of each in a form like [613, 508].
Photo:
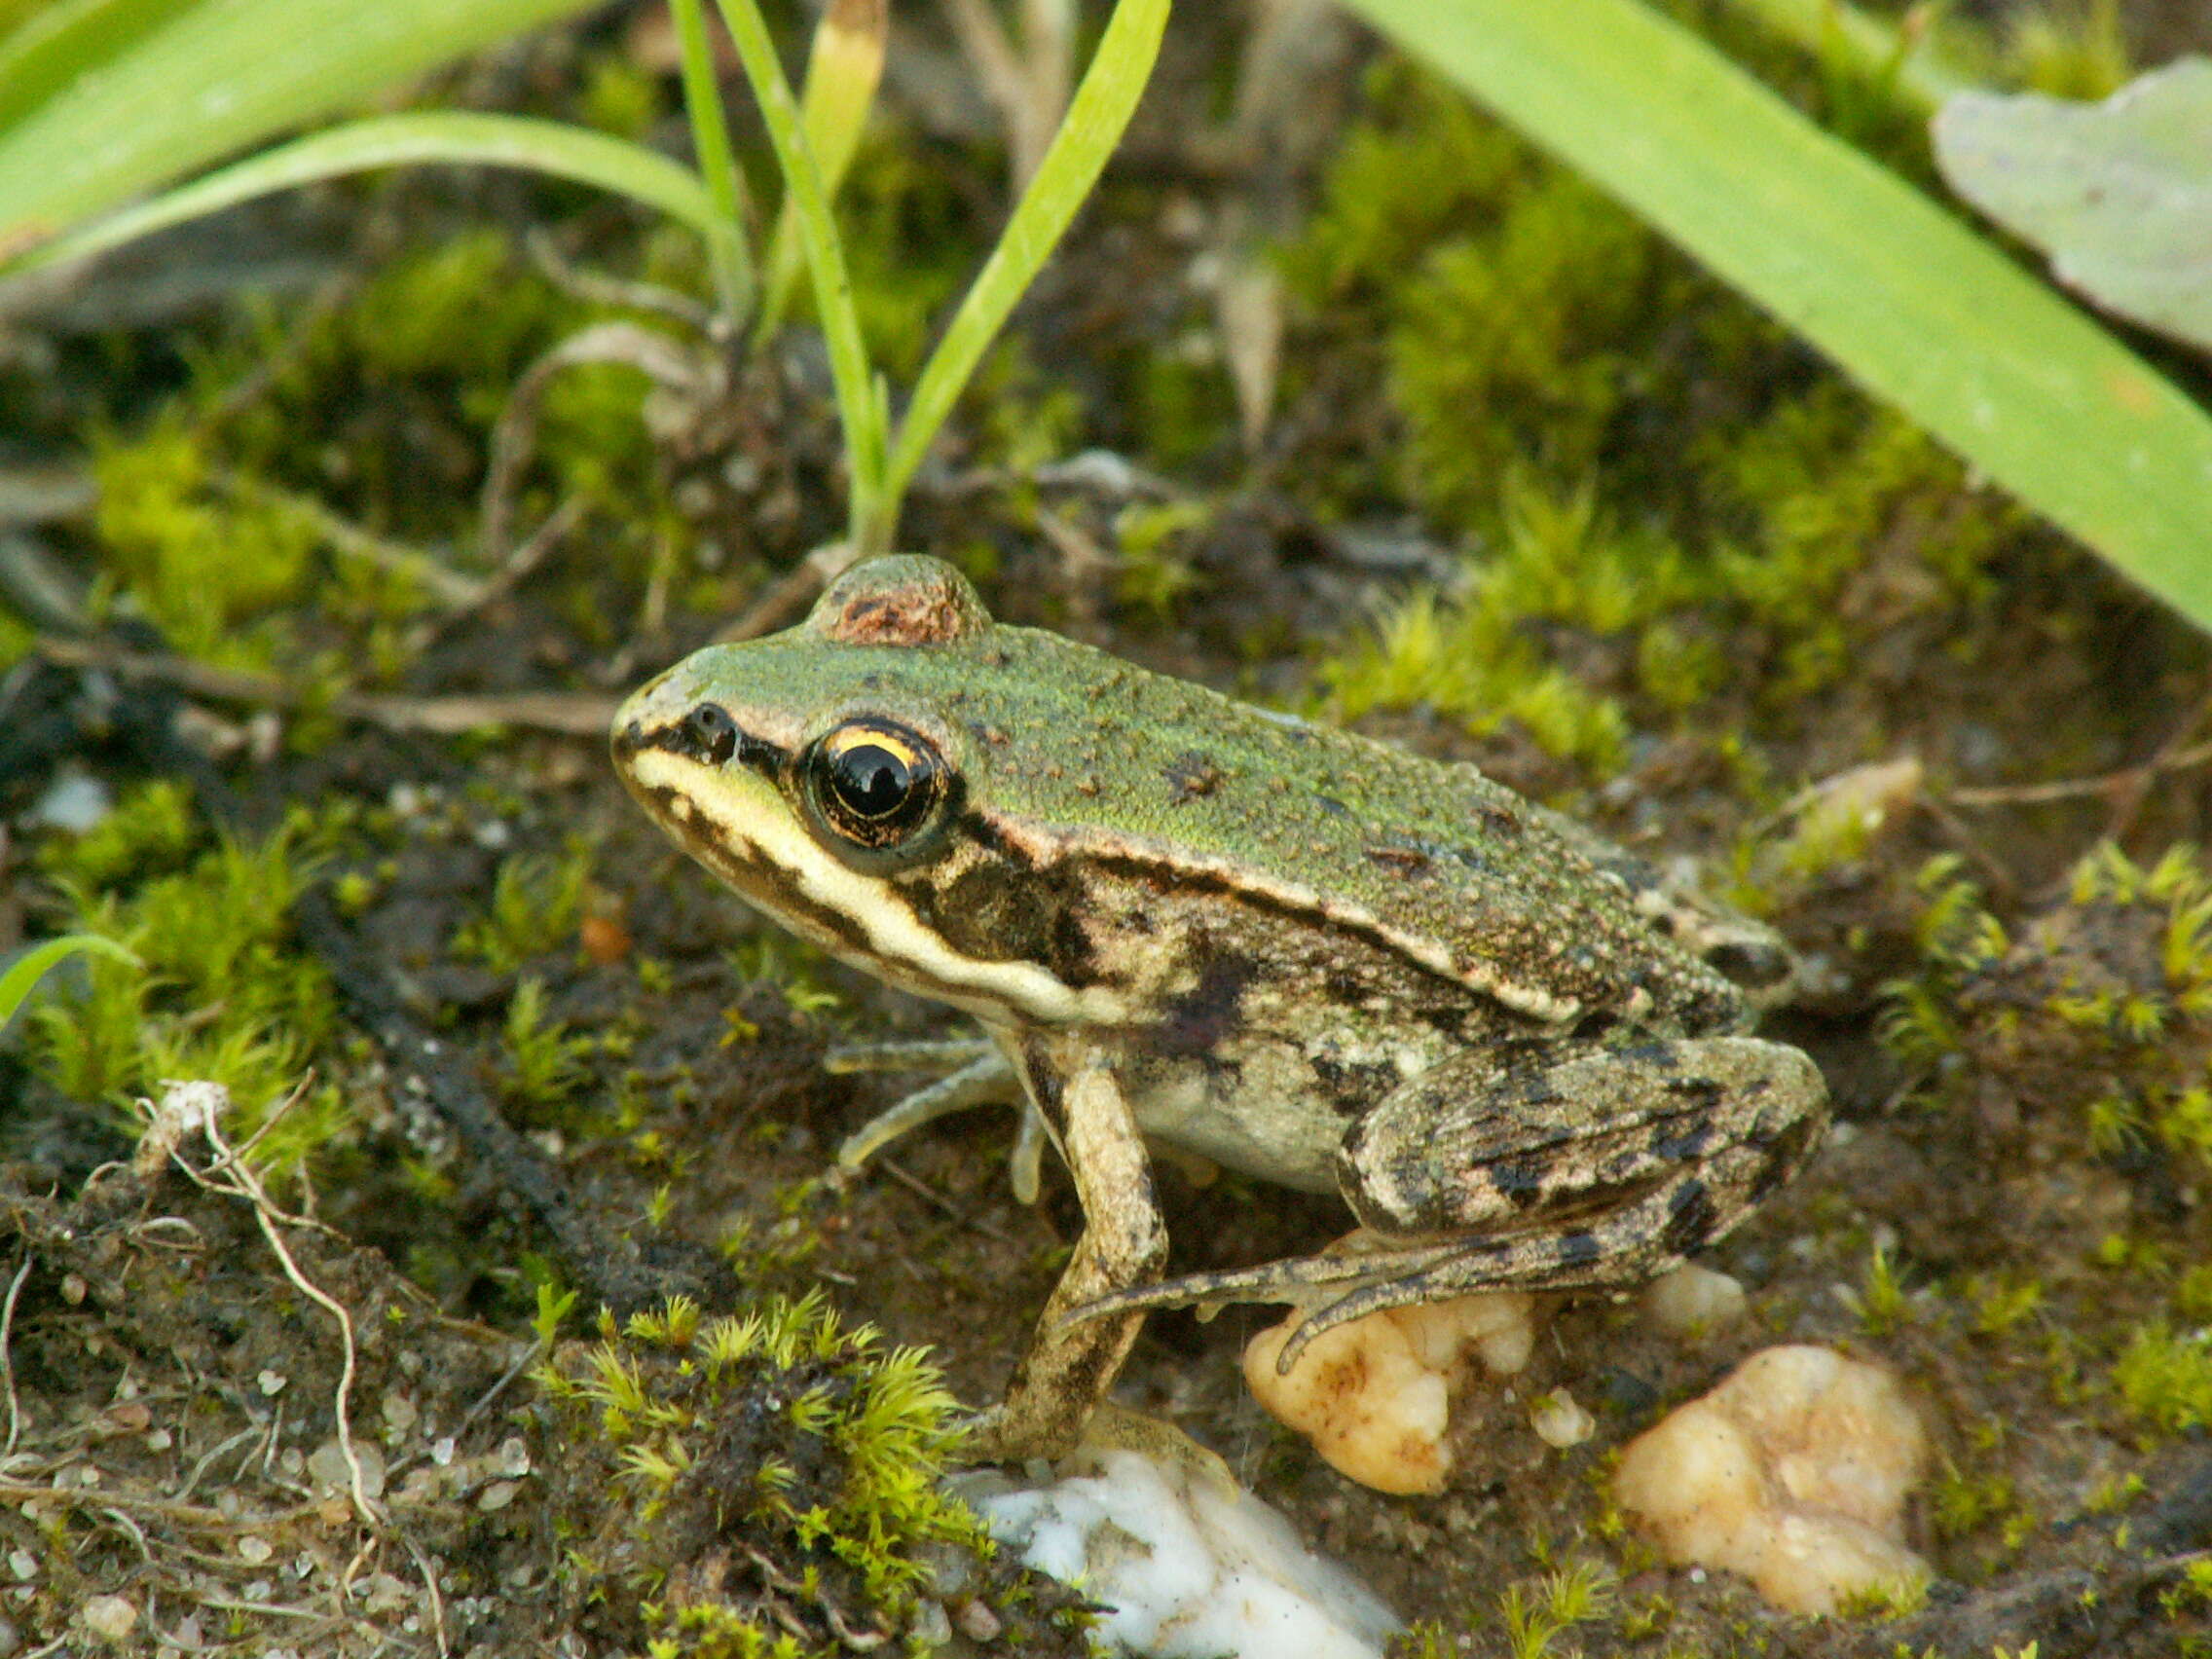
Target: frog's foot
[1625, 1245]
[982, 1078]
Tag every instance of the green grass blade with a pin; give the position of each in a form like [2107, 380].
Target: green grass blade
[28, 969]
[1095, 120]
[491, 140]
[55, 42]
[856, 405]
[1903, 296]
[730, 253]
[842, 69]
[126, 109]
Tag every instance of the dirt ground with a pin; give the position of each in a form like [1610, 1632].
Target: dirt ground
[181, 1339]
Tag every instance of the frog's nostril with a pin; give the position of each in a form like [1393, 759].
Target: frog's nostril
[709, 734]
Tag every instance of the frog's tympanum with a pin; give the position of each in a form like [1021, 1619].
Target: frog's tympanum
[1292, 951]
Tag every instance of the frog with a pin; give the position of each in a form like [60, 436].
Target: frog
[1188, 925]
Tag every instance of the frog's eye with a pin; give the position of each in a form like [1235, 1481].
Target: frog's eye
[875, 785]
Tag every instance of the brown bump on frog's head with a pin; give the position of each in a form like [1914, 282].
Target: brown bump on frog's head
[899, 599]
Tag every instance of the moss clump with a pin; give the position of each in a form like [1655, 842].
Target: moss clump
[536, 905]
[2102, 1010]
[1670, 523]
[209, 567]
[221, 992]
[152, 832]
[2088, 1031]
[770, 1485]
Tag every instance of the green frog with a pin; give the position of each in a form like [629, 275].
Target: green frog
[1187, 923]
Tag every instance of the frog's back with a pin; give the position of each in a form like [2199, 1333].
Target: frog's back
[1089, 753]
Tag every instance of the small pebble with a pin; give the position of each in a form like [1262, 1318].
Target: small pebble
[1692, 1300]
[110, 1618]
[977, 1622]
[1558, 1421]
[498, 1495]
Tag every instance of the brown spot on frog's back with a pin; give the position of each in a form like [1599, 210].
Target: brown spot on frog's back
[1191, 775]
[1408, 862]
[900, 601]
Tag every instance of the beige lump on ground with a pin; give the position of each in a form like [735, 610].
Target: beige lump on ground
[1794, 1472]
[1375, 1395]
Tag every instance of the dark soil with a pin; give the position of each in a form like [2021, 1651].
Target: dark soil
[172, 1382]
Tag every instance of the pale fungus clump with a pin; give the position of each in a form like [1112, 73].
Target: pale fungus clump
[1375, 1395]
[1182, 1562]
[1794, 1472]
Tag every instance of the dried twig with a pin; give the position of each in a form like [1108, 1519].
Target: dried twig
[573, 715]
[8, 1357]
[242, 1182]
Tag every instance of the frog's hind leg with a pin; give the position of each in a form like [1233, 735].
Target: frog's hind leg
[980, 1076]
[1569, 1166]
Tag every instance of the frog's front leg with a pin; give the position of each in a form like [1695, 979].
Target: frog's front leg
[1556, 1166]
[974, 1073]
[1070, 1366]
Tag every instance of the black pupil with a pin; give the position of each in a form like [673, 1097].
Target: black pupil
[870, 780]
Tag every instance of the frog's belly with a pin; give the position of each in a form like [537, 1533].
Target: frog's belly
[1265, 1116]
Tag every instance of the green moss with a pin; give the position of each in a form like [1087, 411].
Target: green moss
[1737, 532]
[620, 97]
[909, 245]
[1155, 574]
[2093, 1023]
[2163, 1377]
[209, 568]
[1881, 1300]
[546, 1062]
[1025, 418]
[1536, 1618]
[536, 905]
[1812, 505]
[1484, 657]
[2104, 1006]
[16, 638]
[2071, 49]
[222, 992]
[151, 831]
[1520, 347]
[736, 1482]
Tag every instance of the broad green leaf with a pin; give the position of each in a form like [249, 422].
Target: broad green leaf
[394, 140]
[28, 969]
[2119, 193]
[110, 100]
[1906, 299]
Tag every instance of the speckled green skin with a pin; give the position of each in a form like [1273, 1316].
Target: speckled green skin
[1289, 949]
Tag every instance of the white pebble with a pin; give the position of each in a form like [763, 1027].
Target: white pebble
[110, 1618]
[1692, 1300]
[1560, 1421]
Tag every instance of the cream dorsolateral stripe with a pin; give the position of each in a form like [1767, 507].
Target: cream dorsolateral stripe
[746, 811]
